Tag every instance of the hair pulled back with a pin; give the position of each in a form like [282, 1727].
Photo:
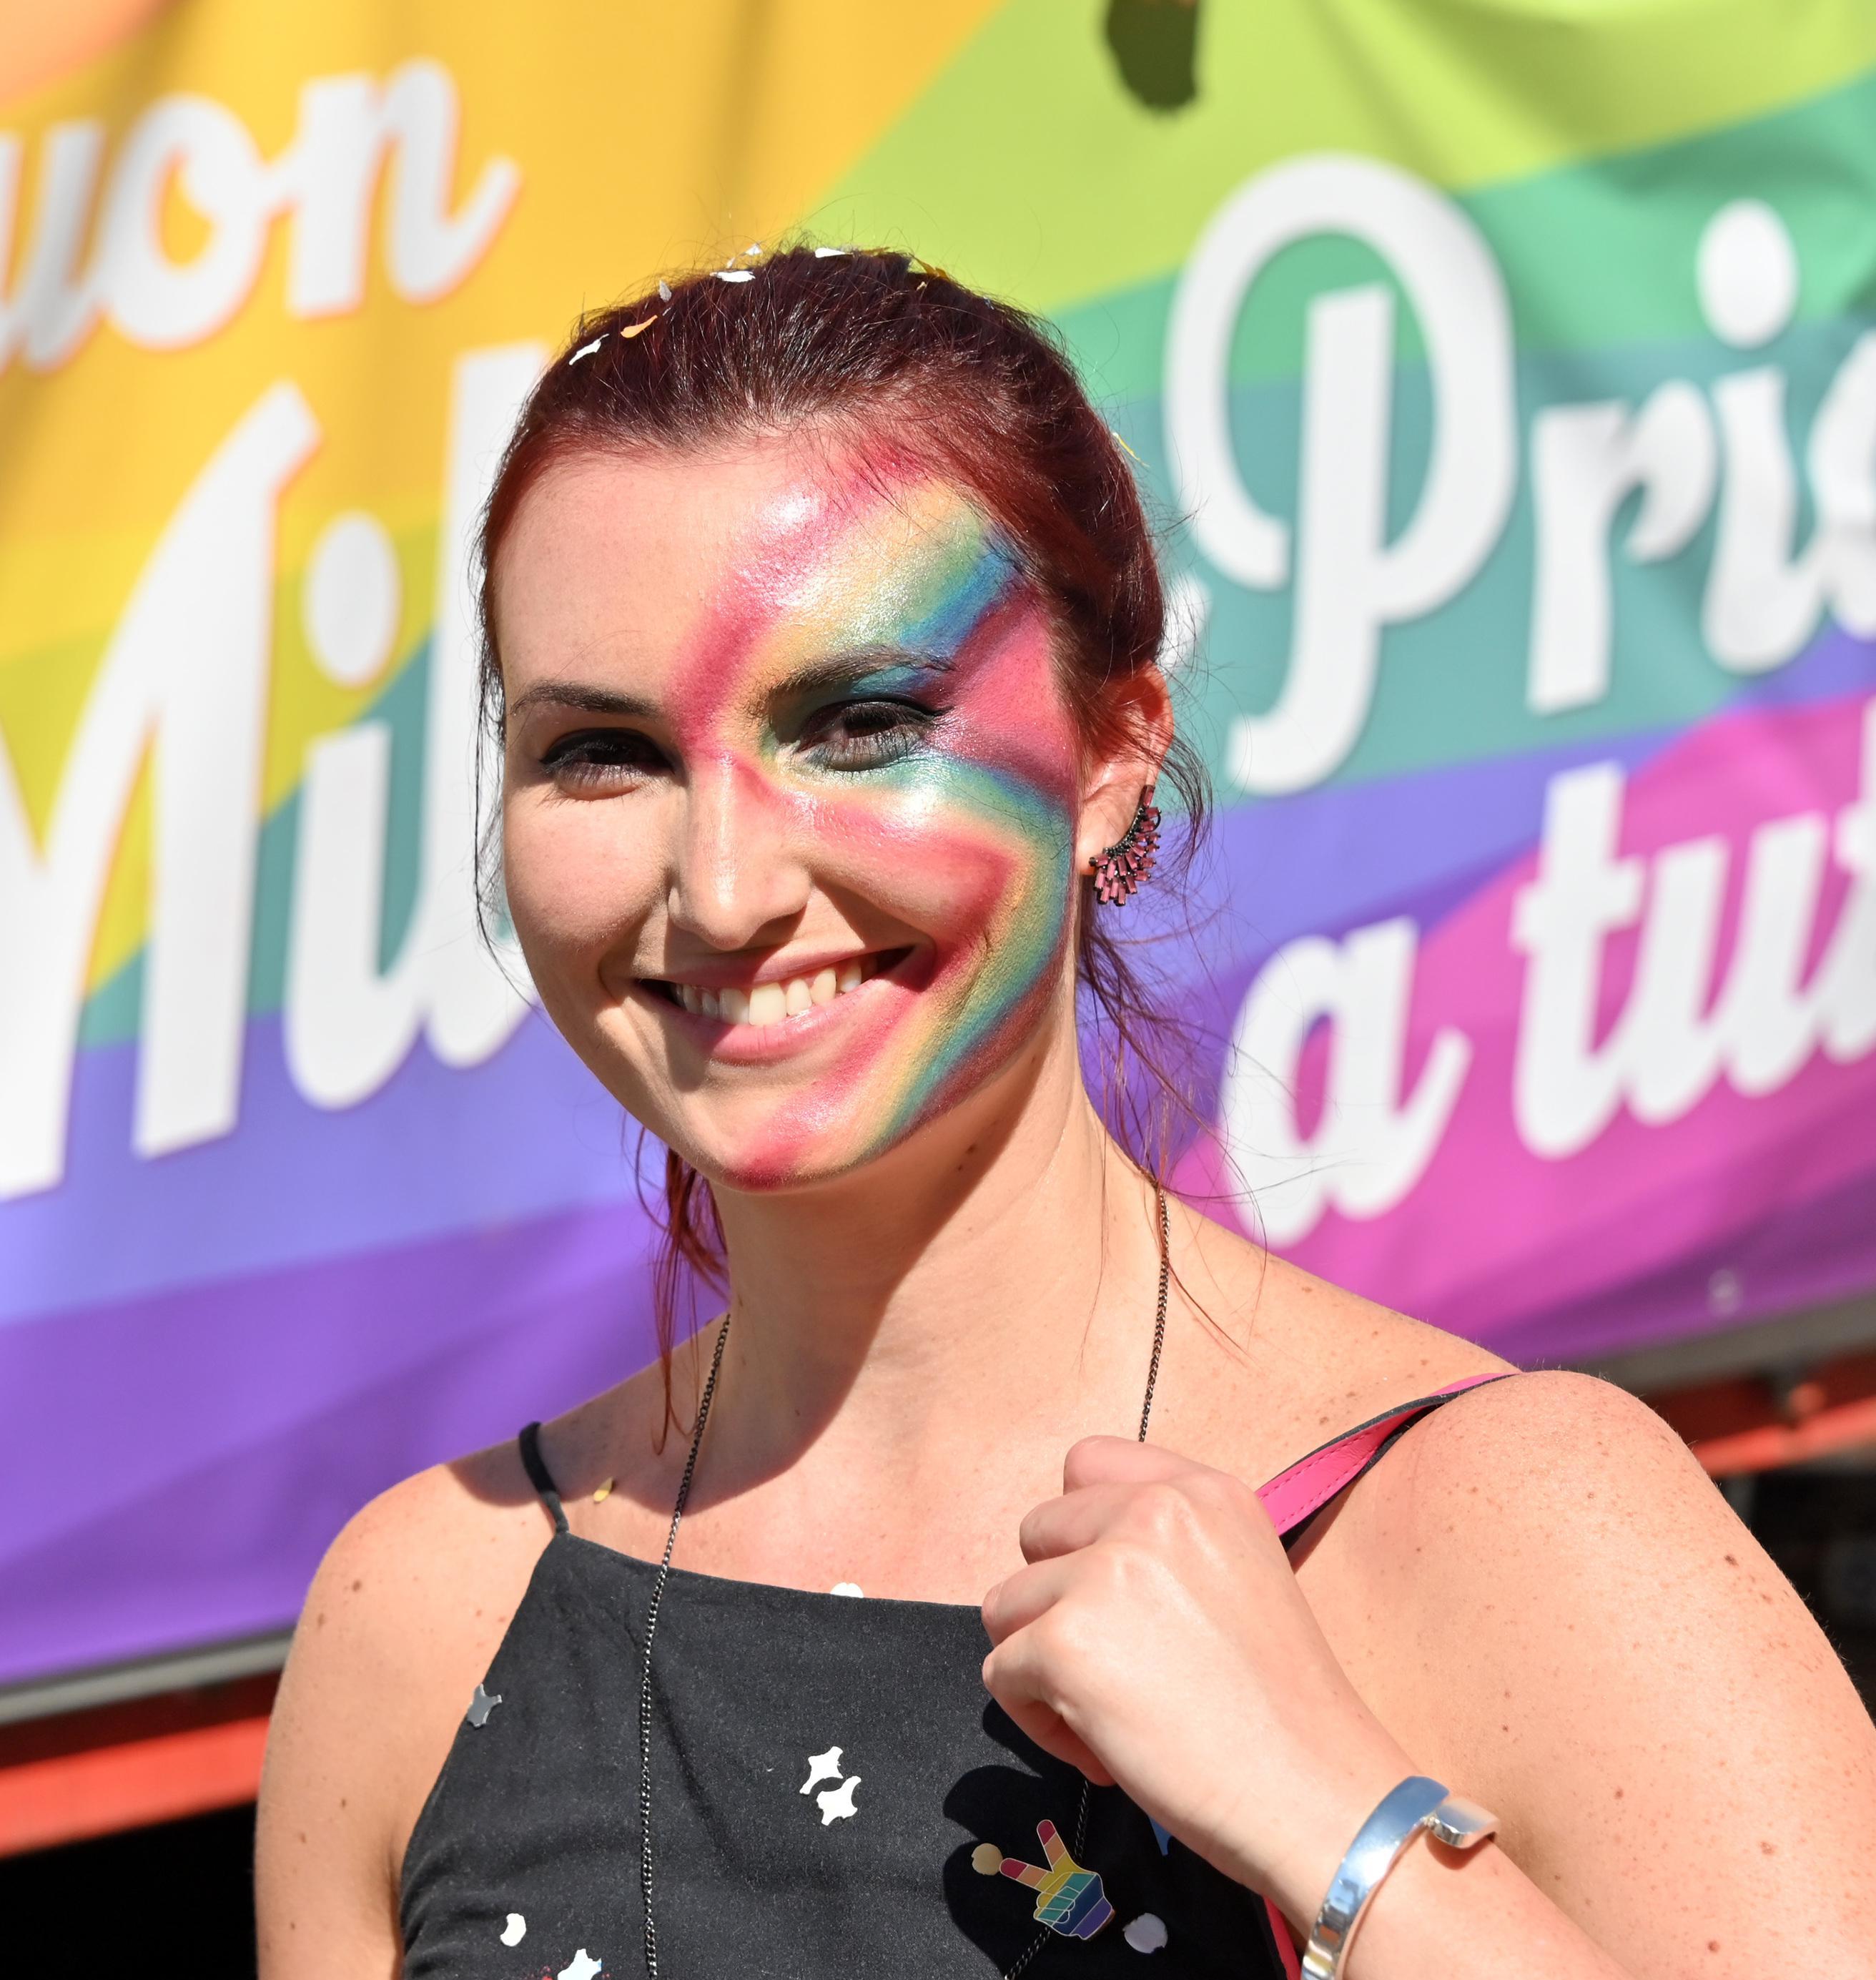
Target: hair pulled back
[872, 347]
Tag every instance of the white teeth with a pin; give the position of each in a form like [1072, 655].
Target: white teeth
[769, 1003]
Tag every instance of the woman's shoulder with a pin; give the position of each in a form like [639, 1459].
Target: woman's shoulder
[1317, 1360]
[406, 1610]
[415, 1593]
[476, 1522]
[1282, 1361]
[402, 1619]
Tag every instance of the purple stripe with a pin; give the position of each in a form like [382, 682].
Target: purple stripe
[436, 1150]
[186, 1459]
[1806, 1255]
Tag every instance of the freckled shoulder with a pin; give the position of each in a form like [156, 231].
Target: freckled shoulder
[1288, 1361]
[402, 1618]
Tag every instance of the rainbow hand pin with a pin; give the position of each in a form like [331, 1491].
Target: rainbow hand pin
[1069, 1899]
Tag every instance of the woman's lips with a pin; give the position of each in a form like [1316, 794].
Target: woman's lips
[766, 1021]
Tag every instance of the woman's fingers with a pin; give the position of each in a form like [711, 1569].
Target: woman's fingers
[1064, 1525]
[1051, 1732]
[1121, 1460]
[1030, 1592]
[1021, 1675]
[1160, 1511]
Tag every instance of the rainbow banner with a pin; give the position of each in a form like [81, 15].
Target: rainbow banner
[1507, 377]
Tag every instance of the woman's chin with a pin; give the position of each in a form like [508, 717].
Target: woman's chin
[750, 1168]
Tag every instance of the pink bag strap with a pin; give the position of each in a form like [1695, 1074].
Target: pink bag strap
[1295, 1495]
[1286, 1945]
[1309, 1484]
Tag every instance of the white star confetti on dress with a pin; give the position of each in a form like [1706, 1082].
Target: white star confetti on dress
[822, 1767]
[482, 1705]
[846, 1588]
[582, 1966]
[836, 1804]
[516, 1930]
[1147, 1933]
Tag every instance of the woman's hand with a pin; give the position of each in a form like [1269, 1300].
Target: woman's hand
[1158, 1640]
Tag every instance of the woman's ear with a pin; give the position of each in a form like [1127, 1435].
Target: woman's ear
[1119, 774]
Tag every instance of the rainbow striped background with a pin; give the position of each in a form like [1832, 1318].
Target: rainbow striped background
[210, 1354]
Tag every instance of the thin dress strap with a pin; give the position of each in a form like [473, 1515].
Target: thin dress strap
[1307, 1486]
[1295, 1494]
[539, 1476]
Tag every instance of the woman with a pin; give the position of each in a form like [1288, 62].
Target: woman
[821, 622]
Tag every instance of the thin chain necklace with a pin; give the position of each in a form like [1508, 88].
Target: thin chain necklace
[664, 1574]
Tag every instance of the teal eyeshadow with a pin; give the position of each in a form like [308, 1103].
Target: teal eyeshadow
[945, 629]
[906, 677]
[951, 621]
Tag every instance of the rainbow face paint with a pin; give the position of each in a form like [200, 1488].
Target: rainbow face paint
[849, 755]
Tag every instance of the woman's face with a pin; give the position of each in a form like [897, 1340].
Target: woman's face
[791, 798]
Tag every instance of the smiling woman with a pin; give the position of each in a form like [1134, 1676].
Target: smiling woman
[943, 598]
[821, 627]
[882, 774]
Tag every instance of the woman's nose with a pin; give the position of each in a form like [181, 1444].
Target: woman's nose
[735, 871]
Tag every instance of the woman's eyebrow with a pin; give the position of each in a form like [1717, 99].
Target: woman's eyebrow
[588, 700]
[880, 664]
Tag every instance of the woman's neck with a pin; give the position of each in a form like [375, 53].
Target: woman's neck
[994, 1276]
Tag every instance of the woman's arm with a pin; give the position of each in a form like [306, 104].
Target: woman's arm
[1584, 1635]
[398, 1627]
[322, 1889]
[1537, 1598]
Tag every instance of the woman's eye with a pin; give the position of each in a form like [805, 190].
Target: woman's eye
[601, 760]
[863, 734]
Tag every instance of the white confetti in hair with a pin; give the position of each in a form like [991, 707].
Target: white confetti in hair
[736, 274]
[664, 292]
[587, 349]
[829, 254]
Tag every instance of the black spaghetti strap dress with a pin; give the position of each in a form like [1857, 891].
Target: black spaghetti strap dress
[824, 1768]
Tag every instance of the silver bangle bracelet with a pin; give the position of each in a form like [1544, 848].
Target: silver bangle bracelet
[1417, 1803]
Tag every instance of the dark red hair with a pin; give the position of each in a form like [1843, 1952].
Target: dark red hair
[872, 347]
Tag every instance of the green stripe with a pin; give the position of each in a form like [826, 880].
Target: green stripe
[1451, 687]
[1028, 169]
[1591, 256]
